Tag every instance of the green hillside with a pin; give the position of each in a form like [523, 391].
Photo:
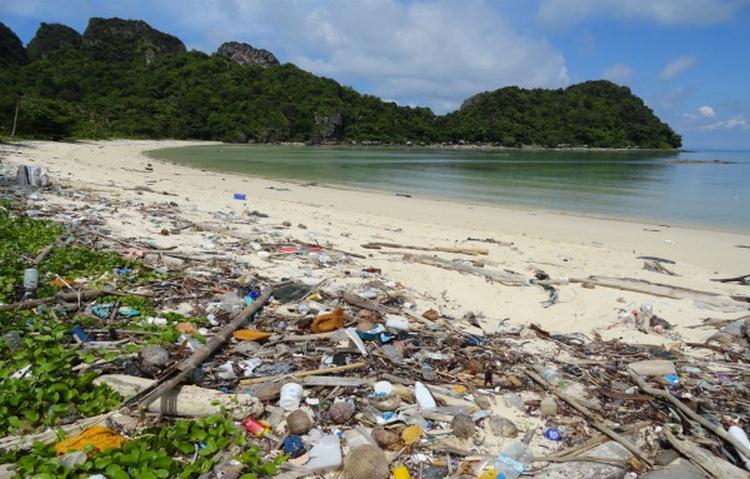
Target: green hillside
[122, 78]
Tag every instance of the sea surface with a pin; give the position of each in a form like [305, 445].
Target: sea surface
[666, 187]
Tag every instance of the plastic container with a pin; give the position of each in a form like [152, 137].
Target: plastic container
[553, 377]
[740, 435]
[240, 196]
[30, 279]
[511, 463]
[397, 323]
[290, 396]
[13, 340]
[427, 373]
[424, 398]
[325, 456]
[254, 427]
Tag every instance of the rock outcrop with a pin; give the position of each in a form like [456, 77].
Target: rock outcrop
[11, 48]
[115, 39]
[51, 38]
[329, 128]
[245, 54]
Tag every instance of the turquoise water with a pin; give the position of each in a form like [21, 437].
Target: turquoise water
[656, 186]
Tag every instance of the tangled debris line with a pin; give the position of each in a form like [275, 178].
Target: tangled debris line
[306, 361]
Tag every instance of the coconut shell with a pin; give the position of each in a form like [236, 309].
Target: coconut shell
[366, 462]
[299, 422]
[387, 403]
[385, 438]
[503, 427]
[341, 412]
[463, 426]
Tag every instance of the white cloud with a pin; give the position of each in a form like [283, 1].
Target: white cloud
[665, 12]
[676, 67]
[738, 122]
[707, 111]
[618, 73]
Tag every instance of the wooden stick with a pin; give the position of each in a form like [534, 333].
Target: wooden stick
[716, 467]
[178, 373]
[647, 287]
[625, 442]
[472, 251]
[502, 277]
[718, 430]
[302, 374]
[600, 460]
[33, 303]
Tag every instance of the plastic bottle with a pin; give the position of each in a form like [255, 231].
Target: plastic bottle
[30, 279]
[427, 373]
[325, 456]
[551, 375]
[424, 398]
[511, 463]
[740, 435]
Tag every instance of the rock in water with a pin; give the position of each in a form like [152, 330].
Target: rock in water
[385, 438]
[463, 426]
[245, 54]
[299, 422]
[366, 462]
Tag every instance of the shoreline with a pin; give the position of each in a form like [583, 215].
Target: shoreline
[518, 207]
[523, 241]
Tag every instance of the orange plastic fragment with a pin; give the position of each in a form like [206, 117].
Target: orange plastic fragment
[61, 282]
[99, 437]
[327, 322]
[186, 328]
[250, 335]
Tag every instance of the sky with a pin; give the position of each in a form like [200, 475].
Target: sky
[688, 59]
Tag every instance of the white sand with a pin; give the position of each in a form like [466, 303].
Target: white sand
[561, 244]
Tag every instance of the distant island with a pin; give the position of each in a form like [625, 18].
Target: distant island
[124, 79]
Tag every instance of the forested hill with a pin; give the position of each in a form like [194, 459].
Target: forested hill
[122, 78]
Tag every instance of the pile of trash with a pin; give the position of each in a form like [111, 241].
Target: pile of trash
[318, 365]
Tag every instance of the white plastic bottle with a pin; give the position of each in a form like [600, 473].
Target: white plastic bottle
[511, 463]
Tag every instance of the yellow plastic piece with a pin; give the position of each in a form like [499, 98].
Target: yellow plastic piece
[401, 472]
[100, 437]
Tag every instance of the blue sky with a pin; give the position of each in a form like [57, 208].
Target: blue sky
[688, 59]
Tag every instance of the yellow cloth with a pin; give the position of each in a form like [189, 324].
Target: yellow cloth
[100, 437]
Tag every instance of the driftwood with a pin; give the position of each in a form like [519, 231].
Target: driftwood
[334, 381]
[595, 421]
[187, 401]
[443, 249]
[354, 300]
[179, 372]
[657, 267]
[646, 287]
[502, 277]
[716, 467]
[661, 394]
[26, 441]
[67, 297]
[656, 259]
[743, 279]
[302, 374]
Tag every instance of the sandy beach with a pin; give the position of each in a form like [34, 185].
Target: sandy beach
[524, 241]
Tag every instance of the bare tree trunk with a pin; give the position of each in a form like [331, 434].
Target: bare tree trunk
[15, 118]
